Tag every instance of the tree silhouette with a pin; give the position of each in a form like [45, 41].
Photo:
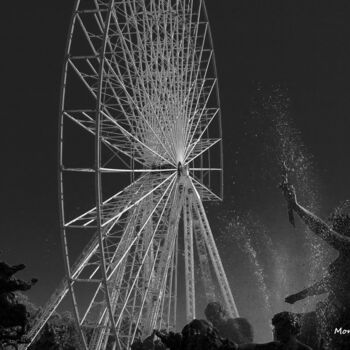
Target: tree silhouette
[59, 333]
[13, 314]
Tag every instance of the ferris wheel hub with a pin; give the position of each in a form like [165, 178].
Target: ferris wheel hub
[182, 170]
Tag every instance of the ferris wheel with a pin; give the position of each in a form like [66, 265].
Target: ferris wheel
[140, 151]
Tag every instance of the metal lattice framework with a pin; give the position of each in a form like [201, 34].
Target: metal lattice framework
[140, 136]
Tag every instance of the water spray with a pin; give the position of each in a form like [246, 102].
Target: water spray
[285, 173]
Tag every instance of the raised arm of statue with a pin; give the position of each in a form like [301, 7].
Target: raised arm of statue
[318, 226]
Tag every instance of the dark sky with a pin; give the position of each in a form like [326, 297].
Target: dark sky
[303, 46]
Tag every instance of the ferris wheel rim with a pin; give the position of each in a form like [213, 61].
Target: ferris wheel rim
[63, 235]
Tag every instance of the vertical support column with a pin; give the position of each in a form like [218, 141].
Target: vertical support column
[215, 257]
[171, 293]
[206, 276]
[176, 259]
[189, 259]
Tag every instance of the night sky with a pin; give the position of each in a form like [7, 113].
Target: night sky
[300, 47]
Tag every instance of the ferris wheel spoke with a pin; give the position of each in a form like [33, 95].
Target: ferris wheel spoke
[202, 125]
[113, 170]
[120, 136]
[201, 147]
[204, 169]
[134, 138]
[198, 110]
[206, 194]
[116, 205]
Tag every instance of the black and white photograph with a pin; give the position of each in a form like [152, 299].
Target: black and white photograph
[175, 175]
